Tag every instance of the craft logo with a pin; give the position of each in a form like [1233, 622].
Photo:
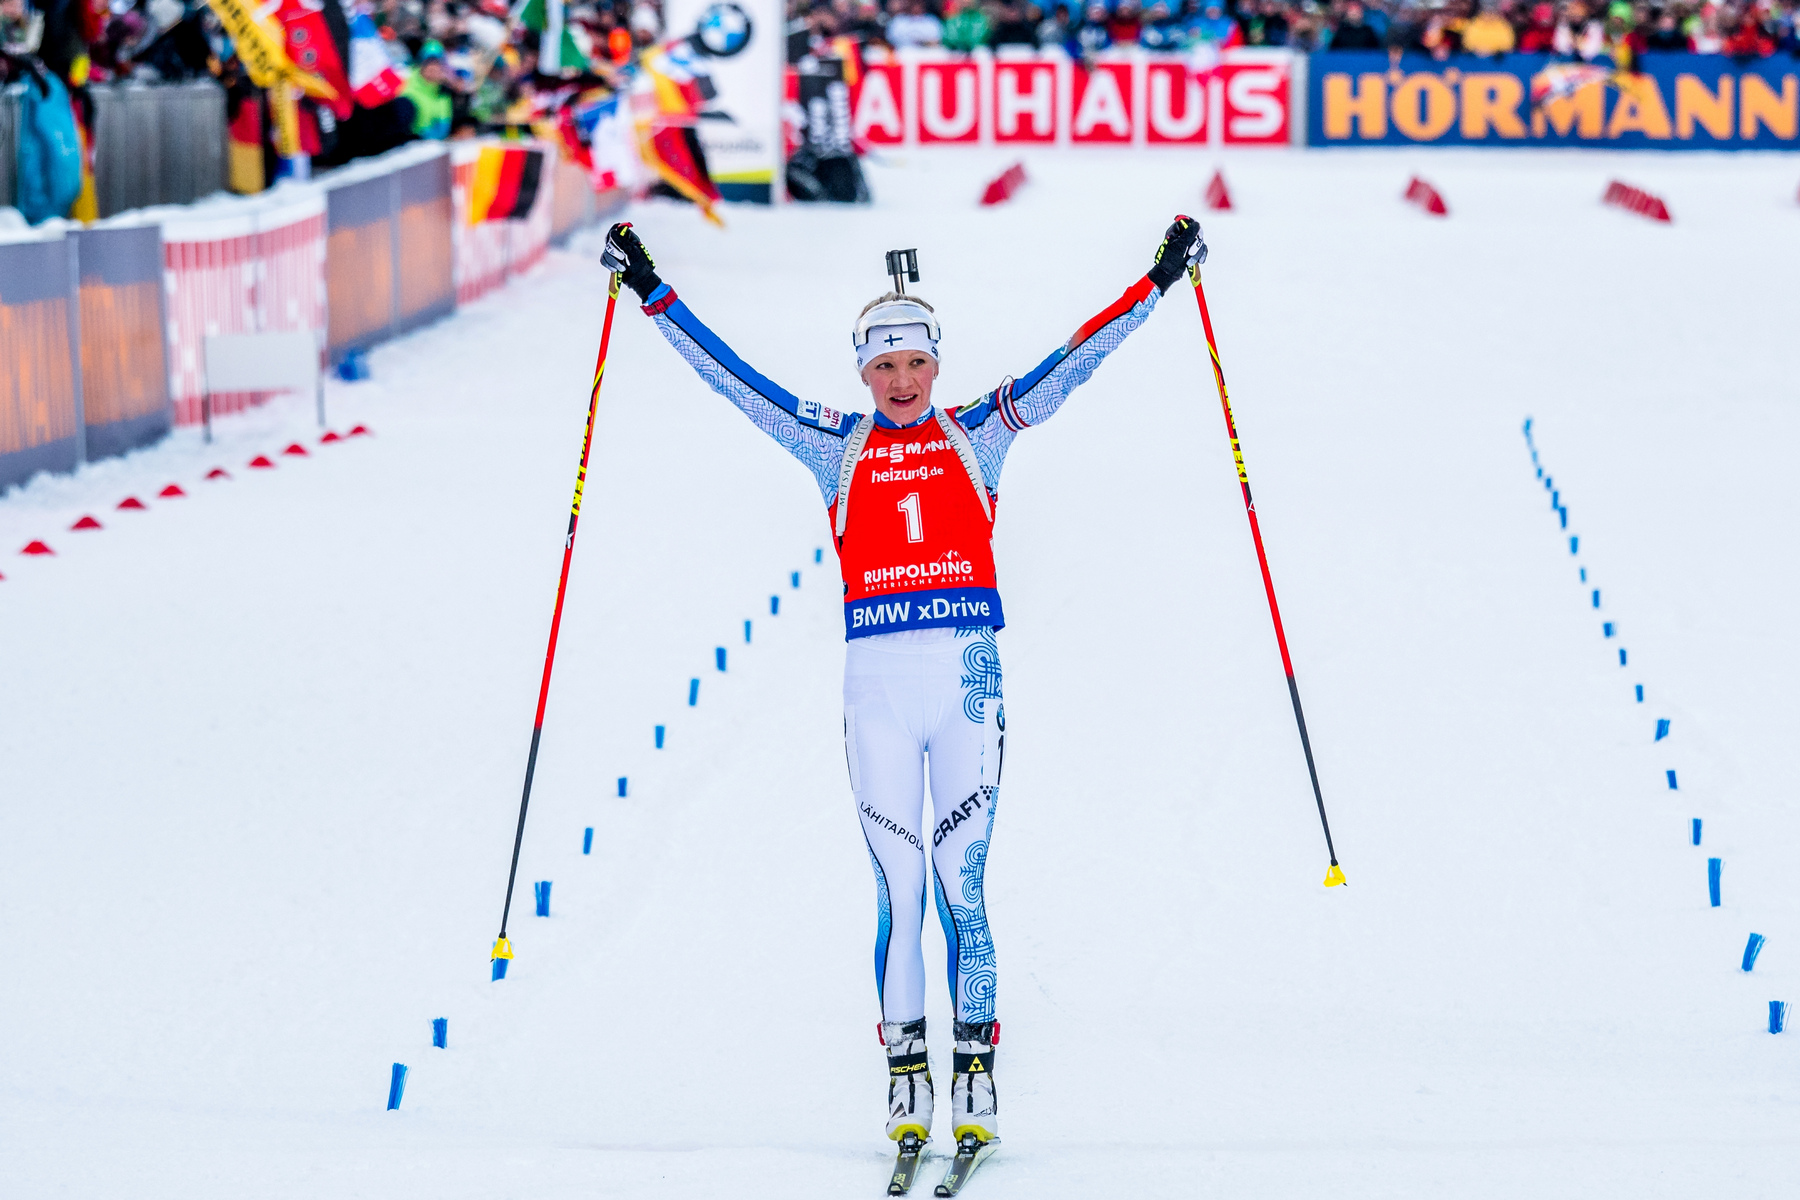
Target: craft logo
[962, 812]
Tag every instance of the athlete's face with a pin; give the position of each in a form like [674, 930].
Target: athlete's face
[900, 381]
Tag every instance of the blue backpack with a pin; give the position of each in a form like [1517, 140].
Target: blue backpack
[49, 150]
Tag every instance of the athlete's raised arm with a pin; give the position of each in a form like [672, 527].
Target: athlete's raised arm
[1017, 404]
[809, 431]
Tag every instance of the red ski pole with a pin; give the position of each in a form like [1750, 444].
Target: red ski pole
[1335, 875]
[502, 947]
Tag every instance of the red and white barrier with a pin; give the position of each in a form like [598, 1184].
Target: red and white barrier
[251, 267]
[1124, 98]
[491, 252]
[1637, 200]
[1218, 196]
[1004, 186]
[1426, 197]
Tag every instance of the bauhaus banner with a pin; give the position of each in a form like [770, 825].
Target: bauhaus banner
[1676, 102]
[1121, 98]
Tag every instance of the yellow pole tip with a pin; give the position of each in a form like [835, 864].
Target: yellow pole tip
[1335, 876]
[503, 948]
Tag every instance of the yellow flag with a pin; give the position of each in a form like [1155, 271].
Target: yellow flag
[262, 46]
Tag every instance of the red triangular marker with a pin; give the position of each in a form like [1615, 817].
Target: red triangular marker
[1004, 185]
[217, 473]
[87, 523]
[131, 503]
[1218, 196]
[329, 437]
[261, 460]
[295, 448]
[1426, 197]
[359, 431]
[37, 548]
[171, 492]
[1635, 199]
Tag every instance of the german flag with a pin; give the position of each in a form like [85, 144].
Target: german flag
[506, 183]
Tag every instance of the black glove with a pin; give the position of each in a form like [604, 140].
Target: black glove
[1183, 246]
[624, 252]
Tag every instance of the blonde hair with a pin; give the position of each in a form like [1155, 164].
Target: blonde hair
[885, 297]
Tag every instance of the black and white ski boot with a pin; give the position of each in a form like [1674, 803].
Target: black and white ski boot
[910, 1097]
[974, 1109]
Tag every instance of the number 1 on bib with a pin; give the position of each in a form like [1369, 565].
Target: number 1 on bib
[915, 524]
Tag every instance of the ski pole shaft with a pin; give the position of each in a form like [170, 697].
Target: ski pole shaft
[502, 948]
[1335, 875]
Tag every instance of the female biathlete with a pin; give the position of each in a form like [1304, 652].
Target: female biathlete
[921, 672]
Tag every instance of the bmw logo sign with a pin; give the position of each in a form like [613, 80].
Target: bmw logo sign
[724, 30]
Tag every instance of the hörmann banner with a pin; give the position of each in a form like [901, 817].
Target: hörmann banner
[1676, 102]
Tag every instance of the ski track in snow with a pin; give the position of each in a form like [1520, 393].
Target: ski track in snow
[262, 746]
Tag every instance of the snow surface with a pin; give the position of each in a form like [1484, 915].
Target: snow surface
[260, 748]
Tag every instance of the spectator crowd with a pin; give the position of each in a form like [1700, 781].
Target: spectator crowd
[1621, 30]
[460, 66]
[452, 68]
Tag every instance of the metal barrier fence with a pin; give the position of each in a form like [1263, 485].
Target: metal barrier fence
[157, 143]
[103, 329]
[9, 145]
[81, 330]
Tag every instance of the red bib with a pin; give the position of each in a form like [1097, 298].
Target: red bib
[917, 549]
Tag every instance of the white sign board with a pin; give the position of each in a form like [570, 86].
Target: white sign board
[740, 44]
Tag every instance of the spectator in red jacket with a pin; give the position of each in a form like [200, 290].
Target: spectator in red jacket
[1750, 40]
[1539, 37]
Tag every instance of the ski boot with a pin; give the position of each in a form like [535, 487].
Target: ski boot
[910, 1098]
[974, 1109]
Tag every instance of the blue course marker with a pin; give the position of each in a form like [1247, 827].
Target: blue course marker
[396, 1086]
[500, 969]
[818, 555]
[1574, 543]
[1584, 574]
[1662, 729]
[1555, 499]
[1671, 774]
[1596, 590]
[1777, 1015]
[1713, 867]
[746, 633]
[659, 737]
[1606, 627]
[587, 840]
[1752, 948]
[1563, 517]
[440, 1031]
[1696, 831]
[622, 787]
[1540, 470]
[1621, 656]
[719, 657]
[774, 606]
[693, 692]
[542, 889]
[796, 578]
[1640, 693]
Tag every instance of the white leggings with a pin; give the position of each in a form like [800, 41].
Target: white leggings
[929, 694]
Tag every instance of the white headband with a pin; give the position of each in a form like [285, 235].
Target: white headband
[883, 338]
